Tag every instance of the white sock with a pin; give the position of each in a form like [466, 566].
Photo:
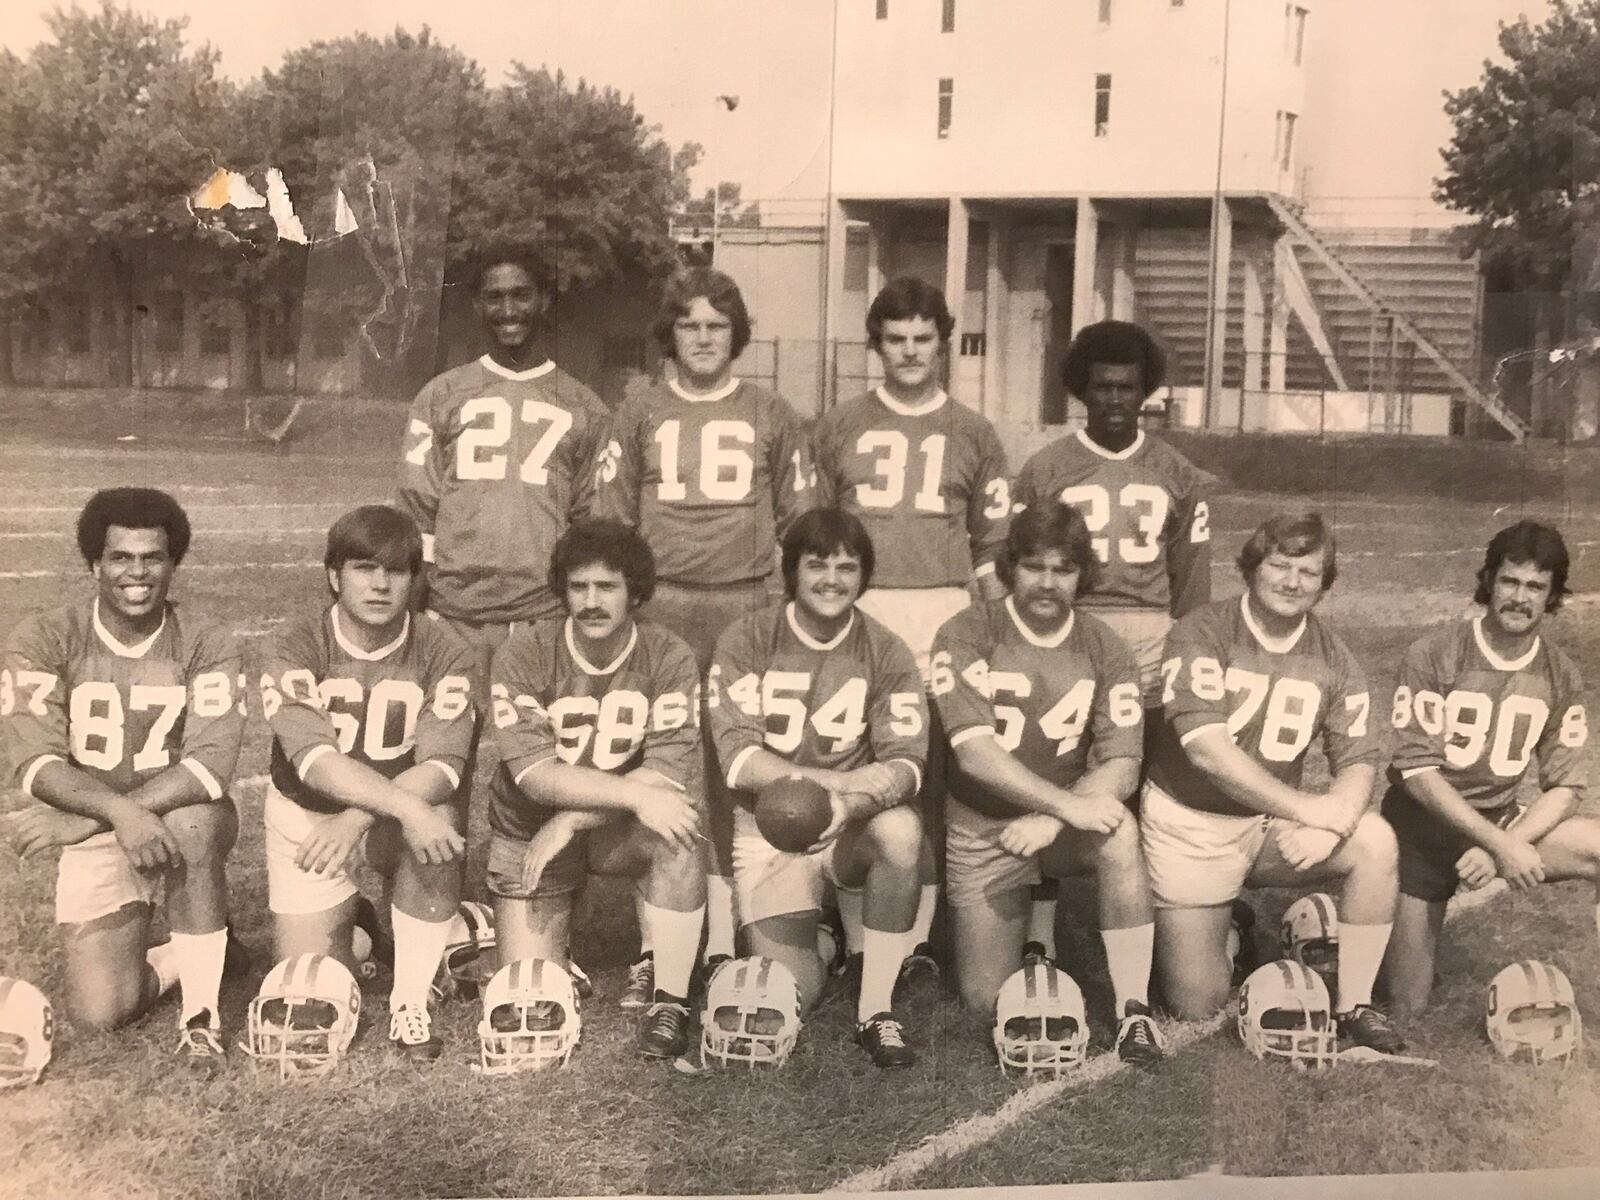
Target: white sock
[922, 924]
[1042, 924]
[198, 957]
[639, 905]
[1361, 950]
[1128, 955]
[163, 960]
[719, 915]
[418, 946]
[882, 953]
[850, 902]
[675, 936]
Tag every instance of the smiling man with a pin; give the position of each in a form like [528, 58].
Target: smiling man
[372, 724]
[1481, 704]
[123, 718]
[1248, 683]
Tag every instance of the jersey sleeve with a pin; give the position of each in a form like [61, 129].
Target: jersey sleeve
[1193, 696]
[33, 701]
[1025, 488]
[958, 679]
[422, 466]
[1417, 747]
[794, 474]
[989, 504]
[586, 451]
[448, 718]
[825, 439]
[1348, 734]
[1117, 716]
[522, 726]
[733, 701]
[213, 727]
[1561, 746]
[290, 671]
[897, 707]
[672, 747]
[1189, 548]
[619, 467]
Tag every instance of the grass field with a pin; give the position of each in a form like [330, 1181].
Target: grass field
[113, 1118]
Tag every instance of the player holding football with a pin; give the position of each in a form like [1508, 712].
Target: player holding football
[814, 687]
[123, 717]
[1247, 684]
[372, 723]
[927, 478]
[711, 469]
[1146, 508]
[1042, 704]
[600, 770]
[1480, 705]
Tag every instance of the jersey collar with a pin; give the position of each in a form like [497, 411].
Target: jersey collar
[932, 404]
[122, 649]
[588, 667]
[722, 393]
[1269, 643]
[1495, 661]
[490, 365]
[807, 640]
[356, 652]
[1032, 638]
[1094, 447]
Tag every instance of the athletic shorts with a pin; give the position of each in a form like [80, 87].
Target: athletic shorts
[291, 890]
[915, 614]
[769, 883]
[96, 878]
[976, 868]
[1429, 847]
[1198, 859]
[1145, 632]
[586, 854]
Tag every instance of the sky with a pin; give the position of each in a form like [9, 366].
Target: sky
[675, 57]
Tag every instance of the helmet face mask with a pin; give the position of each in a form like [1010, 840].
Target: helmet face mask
[304, 1017]
[27, 1033]
[1040, 1025]
[1310, 934]
[530, 1019]
[1284, 1012]
[1533, 1015]
[468, 961]
[752, 1014]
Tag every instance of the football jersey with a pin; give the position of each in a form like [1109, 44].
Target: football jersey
[1483, 720]
[841, 704]
[71, 691]
[711, 481]
[550, 702]
[1059, 705]
[928, 483]
[495, 465]
[1273, 695]
[405, 703]
[1146, 510]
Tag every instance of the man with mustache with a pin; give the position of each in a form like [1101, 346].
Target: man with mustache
[1481, 703]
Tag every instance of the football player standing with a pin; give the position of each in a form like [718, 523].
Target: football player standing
[711, 469]
[1247, 684]
[372, 725]
[123, 717]
[927, 478]
[1144, 502]
[1042, 705]
[1480, 705]
[813, 687]
[597, 717]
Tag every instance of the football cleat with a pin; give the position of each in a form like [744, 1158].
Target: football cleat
[305, 1015]
[920, 962]
[883, 1037]
[751, 1014]
[1533, 1015]
[27, 1032]
[1309, 933]
[641, 984]
[582, 985]
[1040, 1025]
[1242, 949]
[200, 1045]
[1366, 1026]
[1138, 1040]
[468, 961]
[1036, 952]
[530, 1018]
[664, 1029]
[1284, 1012]
[411, 1032]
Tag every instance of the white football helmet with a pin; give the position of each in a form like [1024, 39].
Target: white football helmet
[1040, 1024]
[27, 1029]
[1310, 933]
[752, 1013]
[530, 1018]
[1284, 1012]
[304, 1016]
[1533, 1015]
[468, 959]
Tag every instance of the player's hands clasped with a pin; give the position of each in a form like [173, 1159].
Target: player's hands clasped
[1094, 814]
[1476, 869]
[1029, 834]
[1518, 862]
[671, 816]
[1303, 846]
[329, 845]
[431, 836]
[145, 839]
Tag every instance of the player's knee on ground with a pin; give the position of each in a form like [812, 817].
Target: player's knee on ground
[104, 995]
[896, 837]
[1195, 977]
[1373, 843]
[205, 833]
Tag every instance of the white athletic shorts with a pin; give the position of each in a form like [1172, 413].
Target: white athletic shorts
[1198, 859]
[96, 878]
[976, 868]
[769, 883]
[915, 614]
[292, 891]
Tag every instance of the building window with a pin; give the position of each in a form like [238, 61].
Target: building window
[1105, 12]
[1177, 4]
[973, 345]
[168, 312]
[1102, 105]
[216, 334]
[883, 10]
[1294, 32]
[1283, 145]
[947, 22]
[79, 320]
[947, 103]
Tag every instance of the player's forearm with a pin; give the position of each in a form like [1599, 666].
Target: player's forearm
[556, 784]
[63, 786]
[989, 585]
[758, 767]
[357, 785]
[176, 787]
[1353, 783]
[986, 761]
[1548, 811]
[1116, 778]
[428, 782]
[1436, 794]
[1243, 780]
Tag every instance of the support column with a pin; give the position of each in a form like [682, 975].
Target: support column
[1217, 308]
[1124, 304]
[1084, 258]
[996, 305]
[1278, 336]
[879, 236]
[955, 256]
[832, 306]
[1255, 324]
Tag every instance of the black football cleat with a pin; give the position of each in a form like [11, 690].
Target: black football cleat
[1138, 1040]
[1367, 1026]
[883, 1037]
[664, 1028]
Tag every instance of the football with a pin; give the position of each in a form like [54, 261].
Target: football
[792, 813]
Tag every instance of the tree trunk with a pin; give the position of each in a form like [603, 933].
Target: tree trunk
[8, 374]
[254, 348]
[122, 284]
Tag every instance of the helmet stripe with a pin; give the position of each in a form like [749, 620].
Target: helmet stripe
[1030, 981]
[763, 974]
[1530, 976]
[1324, 907]
[1053, 984]
[1286, 969]
[313, 968]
